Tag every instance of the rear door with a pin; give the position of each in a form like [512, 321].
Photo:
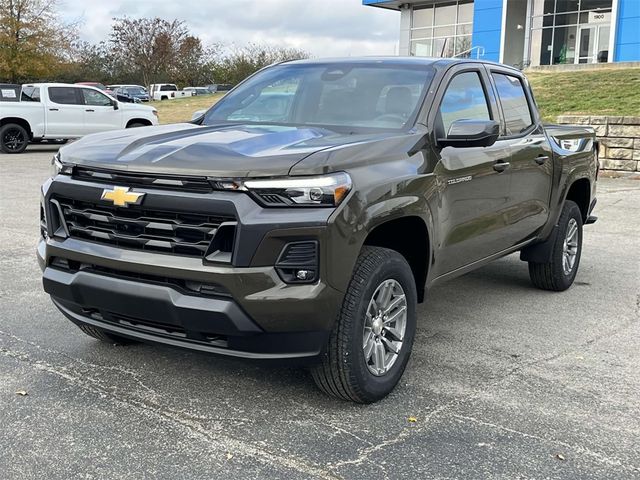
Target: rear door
[531, 155]
[473, 186]
[99, 114]
[65, 112]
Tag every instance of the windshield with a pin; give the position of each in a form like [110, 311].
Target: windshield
[136, 91]
[358, 95]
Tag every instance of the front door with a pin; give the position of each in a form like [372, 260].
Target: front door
[99, 114]
[474, 189]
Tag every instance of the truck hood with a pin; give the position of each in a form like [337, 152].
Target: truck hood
[217, 151]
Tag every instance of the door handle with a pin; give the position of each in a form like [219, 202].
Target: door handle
[540, 159]
[89, 110]
[53, 109]
[500, 166]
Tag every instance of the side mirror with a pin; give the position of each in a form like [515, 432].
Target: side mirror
[471, 133]
[115, 104]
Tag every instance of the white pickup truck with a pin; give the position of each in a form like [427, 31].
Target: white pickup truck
[57, 111]
[167, 91]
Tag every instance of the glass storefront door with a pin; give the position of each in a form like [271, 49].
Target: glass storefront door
[569, 31]
[593, 43]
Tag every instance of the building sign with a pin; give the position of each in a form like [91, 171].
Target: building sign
[599, 17]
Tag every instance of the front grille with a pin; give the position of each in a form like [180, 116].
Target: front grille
[166, 182]
[156, 328]
[135, 227]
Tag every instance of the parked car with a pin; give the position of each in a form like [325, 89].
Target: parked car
[60, 111]
[97, 85]
[308, 226]
[212, 88]
[167, 91]
[223, 87]
[197, 90]
[131, 94]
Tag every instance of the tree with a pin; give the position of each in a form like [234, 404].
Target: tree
[149, 46]
[194, 62]
[33, 41]
[247, 60]
[89, 62]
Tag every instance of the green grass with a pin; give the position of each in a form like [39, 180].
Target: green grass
[591, 92]
[181, 109]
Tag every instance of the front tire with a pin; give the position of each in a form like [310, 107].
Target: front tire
[371, 341]
[559, 274]
[14, 138]
[136, 125]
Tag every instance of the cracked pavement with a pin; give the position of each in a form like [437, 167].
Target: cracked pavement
[504, 380]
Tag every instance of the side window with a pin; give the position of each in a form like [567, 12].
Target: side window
[517, 115]
[63, 95]
[31, 94]
[464, 99]
[95, 98]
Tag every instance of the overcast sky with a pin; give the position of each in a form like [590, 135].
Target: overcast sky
[321, 27]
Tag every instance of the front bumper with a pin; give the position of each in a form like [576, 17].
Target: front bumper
[252, 313]
[284, 326]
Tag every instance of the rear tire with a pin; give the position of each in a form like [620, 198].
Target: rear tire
[371, 341]
[559, 274]
[14, 138]
[104, 336]
[136, 125]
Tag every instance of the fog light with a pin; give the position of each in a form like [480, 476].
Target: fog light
[298, 262]
[303, 274]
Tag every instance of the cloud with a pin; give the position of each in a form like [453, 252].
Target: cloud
[322, 27]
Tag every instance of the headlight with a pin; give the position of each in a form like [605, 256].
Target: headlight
[572, 145]
[59, 168]
[321, 191]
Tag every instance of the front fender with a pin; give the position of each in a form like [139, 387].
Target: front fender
[352, 224]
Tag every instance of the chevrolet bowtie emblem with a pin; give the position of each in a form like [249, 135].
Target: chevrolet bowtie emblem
[122, 196]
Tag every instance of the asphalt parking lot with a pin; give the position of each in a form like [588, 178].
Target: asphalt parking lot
[505, 381]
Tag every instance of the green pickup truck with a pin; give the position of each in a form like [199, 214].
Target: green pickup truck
[305, 215]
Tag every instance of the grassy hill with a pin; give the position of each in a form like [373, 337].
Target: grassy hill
[594, 92]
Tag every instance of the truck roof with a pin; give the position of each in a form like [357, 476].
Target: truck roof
[57, 84]
[396, 60]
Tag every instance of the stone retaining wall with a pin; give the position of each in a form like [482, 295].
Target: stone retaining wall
[619, 139]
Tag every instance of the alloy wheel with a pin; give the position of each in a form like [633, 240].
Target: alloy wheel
[384, 327]
[570, 247]
[13, 139]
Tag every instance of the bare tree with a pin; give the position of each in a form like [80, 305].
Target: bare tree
[33, 41]
[148, 45]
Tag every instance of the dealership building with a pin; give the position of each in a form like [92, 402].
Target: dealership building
[520, 32]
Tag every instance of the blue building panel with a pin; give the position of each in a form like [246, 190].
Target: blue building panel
[487, 27]
[627, 43]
